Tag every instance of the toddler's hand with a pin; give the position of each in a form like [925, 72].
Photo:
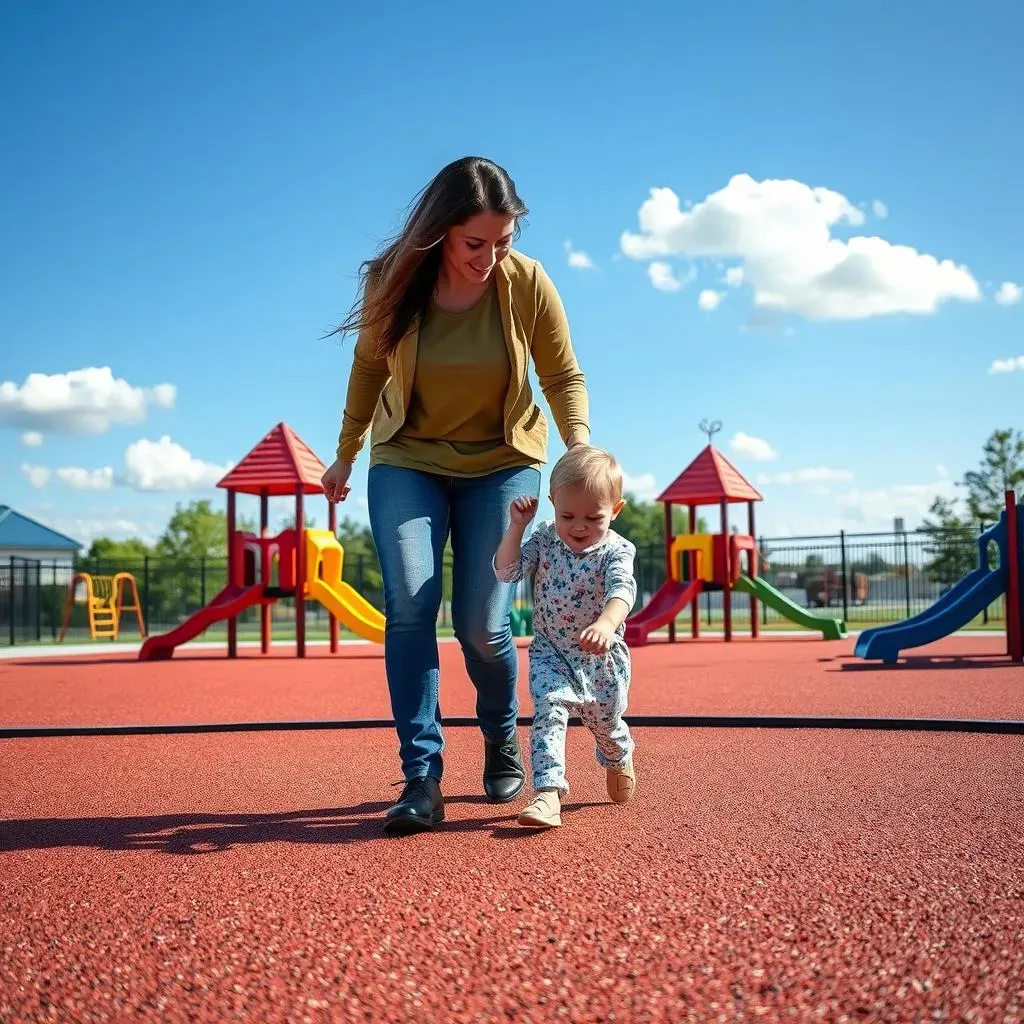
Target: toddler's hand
[522, 511]
[596, 639]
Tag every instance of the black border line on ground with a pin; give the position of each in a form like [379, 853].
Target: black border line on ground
[1007, 727]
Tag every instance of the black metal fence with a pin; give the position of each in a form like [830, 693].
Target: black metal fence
[21, 593]
[867, 579]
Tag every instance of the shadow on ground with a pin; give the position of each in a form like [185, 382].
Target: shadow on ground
[851, 663]
[215, 833]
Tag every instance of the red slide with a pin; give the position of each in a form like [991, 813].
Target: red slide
[229, 602]
[666, 604]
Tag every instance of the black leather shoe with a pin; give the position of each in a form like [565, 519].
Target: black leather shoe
[419, 808]
[504, 777]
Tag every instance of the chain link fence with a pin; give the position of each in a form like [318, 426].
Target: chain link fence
[868, 579]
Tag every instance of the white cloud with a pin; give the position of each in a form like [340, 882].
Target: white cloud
[858, 510]
[32, 439]
[578, 259]
[1009, 294]
[76, 478]
[876, 509]
[663, 277]
[86, 479]
[1010, 365]
[782, 231]
[752, 447]
[709, 299]
[642, 487]
[115, 528]
[113, 522]
[879, 209]
[87, 530]
[734, 277]
[38, 476]
[149, 466]
[87, 401]
[165, 466]
[810, 475]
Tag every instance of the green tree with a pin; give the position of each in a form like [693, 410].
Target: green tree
[104, 550]
[871, 565]
[952, 530]
[950, 549]
[190, 559]
[1001, 470]
[643, 523]
[196, 531]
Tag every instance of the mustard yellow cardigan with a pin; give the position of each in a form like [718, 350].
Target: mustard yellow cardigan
[535, 325]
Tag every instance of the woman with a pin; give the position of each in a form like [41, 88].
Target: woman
[449, 319]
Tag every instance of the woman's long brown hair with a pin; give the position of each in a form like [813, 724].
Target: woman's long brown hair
[398, 282]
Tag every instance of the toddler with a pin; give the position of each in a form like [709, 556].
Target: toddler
[583, 591]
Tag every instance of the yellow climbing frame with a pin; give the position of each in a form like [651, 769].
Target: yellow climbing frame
[104, 600]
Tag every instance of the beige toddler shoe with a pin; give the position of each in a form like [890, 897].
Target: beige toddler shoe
[544, 811]
[621, 783]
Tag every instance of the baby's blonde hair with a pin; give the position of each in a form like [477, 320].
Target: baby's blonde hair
[595, 470]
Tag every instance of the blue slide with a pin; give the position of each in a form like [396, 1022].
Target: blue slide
[951, 596]
[969, 598]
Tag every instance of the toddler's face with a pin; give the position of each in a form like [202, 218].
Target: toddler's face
[582, 519]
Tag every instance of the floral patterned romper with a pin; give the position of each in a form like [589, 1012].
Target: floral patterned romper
[571, 590]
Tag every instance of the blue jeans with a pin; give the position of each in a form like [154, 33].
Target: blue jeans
[412, 514]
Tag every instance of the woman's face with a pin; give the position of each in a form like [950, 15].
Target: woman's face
[472, 250]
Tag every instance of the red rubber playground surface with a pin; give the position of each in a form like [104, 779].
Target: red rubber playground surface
[760, 874]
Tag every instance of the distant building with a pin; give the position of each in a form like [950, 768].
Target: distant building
[22, 537]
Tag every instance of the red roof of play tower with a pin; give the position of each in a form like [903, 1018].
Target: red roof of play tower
[709, 480]
[280, 464]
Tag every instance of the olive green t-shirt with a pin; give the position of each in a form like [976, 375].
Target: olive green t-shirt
[456, 419]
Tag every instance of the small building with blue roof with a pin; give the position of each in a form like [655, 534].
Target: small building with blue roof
[23, 537]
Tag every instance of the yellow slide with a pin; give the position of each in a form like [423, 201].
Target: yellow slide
[324, 562]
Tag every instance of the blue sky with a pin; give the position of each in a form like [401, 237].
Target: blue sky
[187, 199]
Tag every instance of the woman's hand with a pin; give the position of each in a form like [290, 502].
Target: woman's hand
[522, 510]
[335, 481]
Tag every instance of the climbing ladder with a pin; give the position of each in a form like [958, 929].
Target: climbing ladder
[104, 602]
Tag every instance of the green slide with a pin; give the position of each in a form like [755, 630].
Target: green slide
[831, 629]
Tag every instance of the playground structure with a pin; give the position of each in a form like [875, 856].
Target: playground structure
[966, 599]
[104, 601]
[700, 562]
[306, 564]
[297, 563]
